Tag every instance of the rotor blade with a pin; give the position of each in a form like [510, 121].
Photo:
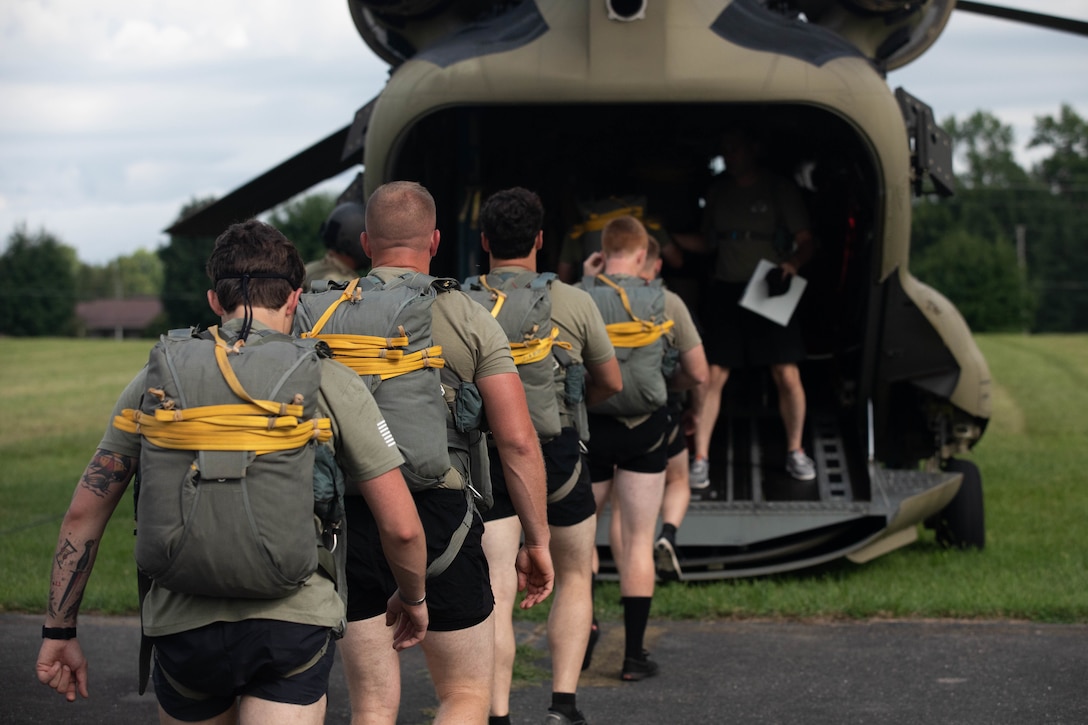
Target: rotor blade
[298, 173]
[1051, 22]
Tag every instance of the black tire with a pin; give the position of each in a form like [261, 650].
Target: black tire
[962, 523]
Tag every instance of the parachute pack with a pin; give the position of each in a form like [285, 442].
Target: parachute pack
[522, 305]
[634, 315]
[584, 237]
[226, 504]
[396, 358]
[596, 214]
[404, 370]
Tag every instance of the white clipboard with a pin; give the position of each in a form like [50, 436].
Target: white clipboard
[776, 309]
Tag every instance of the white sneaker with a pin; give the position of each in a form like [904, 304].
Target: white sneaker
[666, 563]
[699, 473]
[800, 466]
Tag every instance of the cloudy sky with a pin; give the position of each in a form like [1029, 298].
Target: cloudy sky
[114, 113]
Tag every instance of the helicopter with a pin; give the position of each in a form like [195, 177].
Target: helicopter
[583, 100]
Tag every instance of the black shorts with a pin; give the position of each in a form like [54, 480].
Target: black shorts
[255, 657]
[737, 337]
[458, 598]
[563, 458]
[641, 449]
[675, 440]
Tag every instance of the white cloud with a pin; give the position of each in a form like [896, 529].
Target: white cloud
[143, 40]
[1005, 68]
[116, 112]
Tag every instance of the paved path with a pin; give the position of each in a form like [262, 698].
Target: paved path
[913, 673]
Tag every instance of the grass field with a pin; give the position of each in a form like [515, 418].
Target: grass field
[58, 395]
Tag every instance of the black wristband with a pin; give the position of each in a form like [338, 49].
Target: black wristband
[58, 632]
[410, 602]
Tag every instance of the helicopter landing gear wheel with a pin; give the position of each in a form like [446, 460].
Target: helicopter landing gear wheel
[962, 524]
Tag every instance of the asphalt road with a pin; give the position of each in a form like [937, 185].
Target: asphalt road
[887, 672]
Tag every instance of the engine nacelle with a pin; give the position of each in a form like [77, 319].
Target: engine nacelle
[398, 29]
[892, 33]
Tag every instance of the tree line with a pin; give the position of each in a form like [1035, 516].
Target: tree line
[1008, 249]
[42, 280]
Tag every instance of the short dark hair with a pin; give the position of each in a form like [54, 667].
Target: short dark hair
[511, 219]
[254, 260]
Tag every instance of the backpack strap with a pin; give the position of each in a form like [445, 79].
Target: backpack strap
[533, 348]
[453, 548]
[371, 355]
[561, 493]
[637, 332]
[260, 426]
[351, 292]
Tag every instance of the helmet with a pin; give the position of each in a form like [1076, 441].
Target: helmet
[342, 229]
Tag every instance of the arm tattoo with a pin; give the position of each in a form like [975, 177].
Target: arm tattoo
[72, 596]
[105, 469]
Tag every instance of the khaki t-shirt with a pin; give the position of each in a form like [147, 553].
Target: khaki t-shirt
[578, 319]
[741, 222]
[473, 343]
[328, 267]
[684, 335]
[363, 450]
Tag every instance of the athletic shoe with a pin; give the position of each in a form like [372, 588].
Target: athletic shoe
[638, 668]
[800, 466]
[699, 473]
[665, 561]
[594, 635]
[558, 718]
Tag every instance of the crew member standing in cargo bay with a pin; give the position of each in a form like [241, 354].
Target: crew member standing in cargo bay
[745, 211]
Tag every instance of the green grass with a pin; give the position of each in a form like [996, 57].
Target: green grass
[1033, 462]
[58, 394]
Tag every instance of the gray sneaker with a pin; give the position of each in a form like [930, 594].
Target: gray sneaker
[699, 473]
[800, 466]
[666, 563]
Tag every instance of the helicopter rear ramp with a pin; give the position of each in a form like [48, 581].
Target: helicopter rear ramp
[754, 520]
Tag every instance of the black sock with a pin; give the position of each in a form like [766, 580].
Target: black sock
[636, 615]
[668, 531]
[498, 720]
[563, 702]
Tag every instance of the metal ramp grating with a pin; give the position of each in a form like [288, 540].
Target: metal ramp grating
[832, 470]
